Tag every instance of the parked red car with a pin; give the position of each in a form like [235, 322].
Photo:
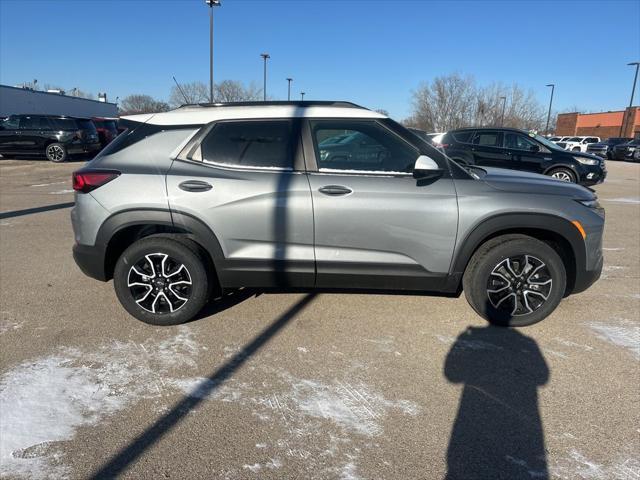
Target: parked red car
[107, 129]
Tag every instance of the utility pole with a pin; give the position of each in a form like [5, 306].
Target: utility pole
[302, 96]
[633, 91]
[553, 87]
[289, 80]
[265, 56]
[211, 3]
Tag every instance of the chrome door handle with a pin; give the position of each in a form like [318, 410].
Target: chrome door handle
[195, 186]
[335, 190]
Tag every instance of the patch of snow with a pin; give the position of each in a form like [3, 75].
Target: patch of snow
[48, 184]
[623, 333]
[6, 326]
[577, 466]
[47, 399]
[255, 468]
[631, 200]
[616, 249]
[61, 192]
[303, 350]
[349, 472]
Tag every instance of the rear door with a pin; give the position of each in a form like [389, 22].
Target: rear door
[376, 226]
[487, 149]
[245, 180]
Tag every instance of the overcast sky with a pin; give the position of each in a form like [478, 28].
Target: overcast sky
[370, 52]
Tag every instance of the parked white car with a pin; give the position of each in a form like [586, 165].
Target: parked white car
[578, 144]
[558, 139]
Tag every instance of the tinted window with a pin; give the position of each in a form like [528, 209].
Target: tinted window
[64, 124]
[106, 124]
[517, 141]
[488, 139]
[368, 146]
[250, 144]
[11, 123]
[86, 125]
[463, 137]
[574, 139]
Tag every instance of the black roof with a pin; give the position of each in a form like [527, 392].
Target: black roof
[490, 128]
[295, 103]
[48, 116]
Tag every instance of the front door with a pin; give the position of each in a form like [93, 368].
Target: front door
[376, 226]
[246, 184]
[526, 154]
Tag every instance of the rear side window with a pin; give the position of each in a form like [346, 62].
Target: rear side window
[11, 123]
[463, 137]
[86, 125]
[488, 139]
[64, 124]
[260, 144]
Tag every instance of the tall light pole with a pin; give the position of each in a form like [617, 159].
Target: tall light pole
[289, 80]
[553, 87]
[504, 104]
[265, 56]
[633, 91]
[211, 3]
[302, 96]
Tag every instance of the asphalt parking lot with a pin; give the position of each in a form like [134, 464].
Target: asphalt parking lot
[308, 386]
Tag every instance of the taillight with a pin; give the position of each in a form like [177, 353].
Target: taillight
[441, 145]
[85, 181]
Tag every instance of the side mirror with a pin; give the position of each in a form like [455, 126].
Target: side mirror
[534, 148]
[426, 167]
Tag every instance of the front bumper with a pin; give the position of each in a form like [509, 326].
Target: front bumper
[592, 175]
[586, 278]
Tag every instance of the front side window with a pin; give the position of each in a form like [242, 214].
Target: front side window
[464, 136]
[518, 142]
[364, 146]
[488, 139]
[259, 144]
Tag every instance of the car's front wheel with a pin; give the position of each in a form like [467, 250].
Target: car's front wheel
[56, 152]
[563, 174]
[162, 281]
[515, 280]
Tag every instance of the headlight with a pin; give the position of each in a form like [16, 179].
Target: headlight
[590, 203]
[587, 161]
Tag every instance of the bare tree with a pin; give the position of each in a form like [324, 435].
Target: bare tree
[454, 101]
[194, 92]
[139, 103]
[225, 91]
[382, 111]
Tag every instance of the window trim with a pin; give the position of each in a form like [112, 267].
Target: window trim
[193, 146]
[310, 150]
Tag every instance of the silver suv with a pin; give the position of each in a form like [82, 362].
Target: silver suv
[321, 195]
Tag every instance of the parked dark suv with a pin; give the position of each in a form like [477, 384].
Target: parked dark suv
[604, 149]
[626, 151]
[56, 137]
[519, 150]
[107, 129]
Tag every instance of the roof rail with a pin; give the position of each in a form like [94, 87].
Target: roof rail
[295, 103]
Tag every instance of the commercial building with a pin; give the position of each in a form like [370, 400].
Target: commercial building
[603, 124]
[14, 100]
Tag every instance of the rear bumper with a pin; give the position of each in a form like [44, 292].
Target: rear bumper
[84, 148]
[90, 259]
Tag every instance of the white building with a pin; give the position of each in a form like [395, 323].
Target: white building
[15, 100]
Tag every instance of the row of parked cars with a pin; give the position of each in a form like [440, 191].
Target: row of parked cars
[613, 148]
[55, 136]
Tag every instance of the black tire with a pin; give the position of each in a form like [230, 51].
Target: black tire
[479, 278]
[609, 156]
[168, 307]
[56, 152]
[563, 174]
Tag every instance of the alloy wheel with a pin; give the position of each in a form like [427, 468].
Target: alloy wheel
[159, 284]
[519, 285]
[55, 152]
[562, 176]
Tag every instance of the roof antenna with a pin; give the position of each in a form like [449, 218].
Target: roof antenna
[181, 91]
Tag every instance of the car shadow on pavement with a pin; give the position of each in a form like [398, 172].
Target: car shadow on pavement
[498, 431]
[29, 211]
[130, 453]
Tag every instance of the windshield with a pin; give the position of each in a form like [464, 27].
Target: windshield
[550, 145]
[575, 139]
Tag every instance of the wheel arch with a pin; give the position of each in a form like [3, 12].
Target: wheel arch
[122, 229]
[558, 232]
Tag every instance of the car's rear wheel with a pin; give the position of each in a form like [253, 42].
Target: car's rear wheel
[162, 281]
[56, 152]
[515, 280]
[563, 174]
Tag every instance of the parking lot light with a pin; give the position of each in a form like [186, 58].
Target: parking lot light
[302, 96]
[633, 91]
[211, 3]
[289, 80]
[553, 87]
[265, 57]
